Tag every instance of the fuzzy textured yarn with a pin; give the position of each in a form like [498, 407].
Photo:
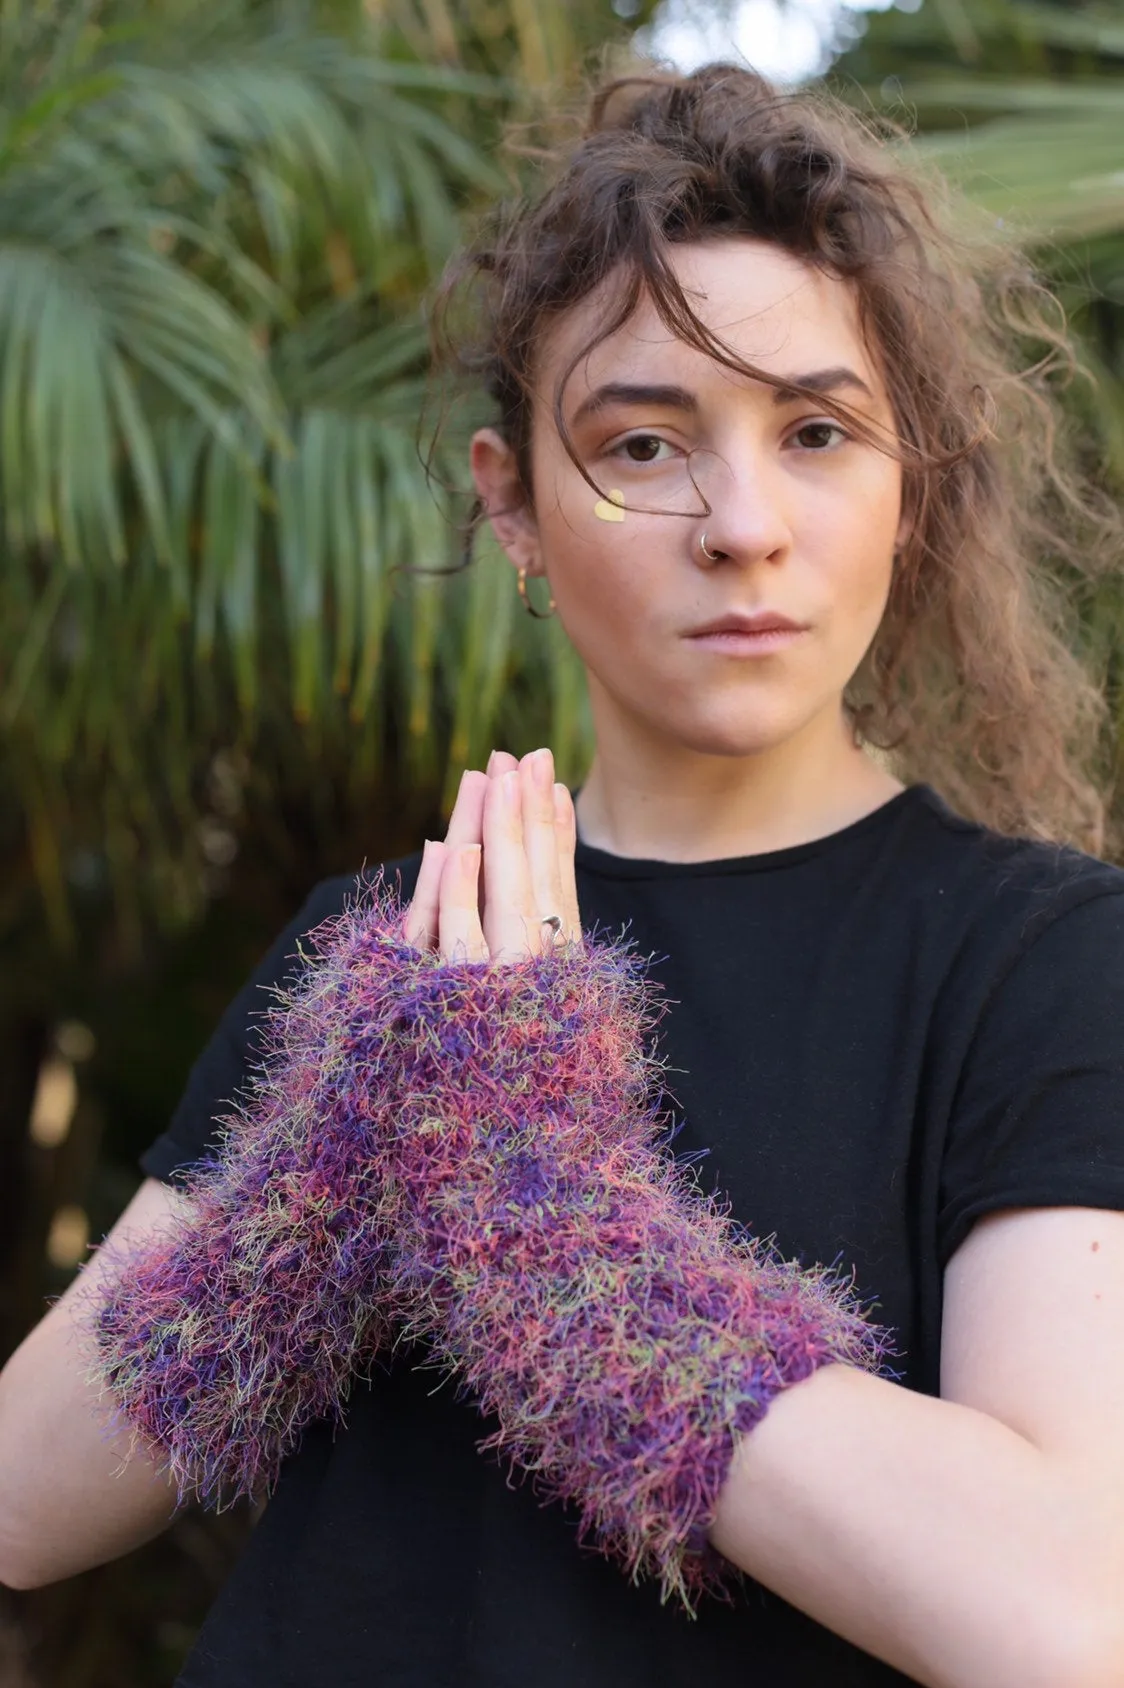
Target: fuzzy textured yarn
[468, 1153]
[248, 1318]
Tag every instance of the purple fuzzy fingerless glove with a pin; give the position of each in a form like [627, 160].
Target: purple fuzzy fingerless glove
[469, 1151]
[623, 1330]
[246, 1320]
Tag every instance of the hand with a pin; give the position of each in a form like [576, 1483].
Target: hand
[521, 823]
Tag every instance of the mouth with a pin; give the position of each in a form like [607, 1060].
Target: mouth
[762, 621]
[748, 635]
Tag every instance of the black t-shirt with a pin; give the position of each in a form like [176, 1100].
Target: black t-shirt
[875, 1038]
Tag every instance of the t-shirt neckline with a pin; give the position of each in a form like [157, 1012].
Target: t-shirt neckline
[604, 863]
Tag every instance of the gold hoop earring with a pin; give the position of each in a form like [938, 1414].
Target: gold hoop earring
[539, 615]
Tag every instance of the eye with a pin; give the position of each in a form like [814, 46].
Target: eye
[640, 448]
[818, 444]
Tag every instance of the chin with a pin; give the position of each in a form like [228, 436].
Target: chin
[734, 735]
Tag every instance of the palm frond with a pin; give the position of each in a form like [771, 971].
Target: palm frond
[1058, 172]
[215, 224]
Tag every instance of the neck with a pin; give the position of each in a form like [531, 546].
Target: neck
[645, 797]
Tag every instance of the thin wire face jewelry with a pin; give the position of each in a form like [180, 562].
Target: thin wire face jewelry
[712, 555]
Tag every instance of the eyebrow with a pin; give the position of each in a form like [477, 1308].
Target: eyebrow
[678, 398]
[821, 381]
[624, 392]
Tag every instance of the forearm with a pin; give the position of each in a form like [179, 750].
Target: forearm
[620, 1330]
[70, 1495]
[248, 1321]
[924, 1531]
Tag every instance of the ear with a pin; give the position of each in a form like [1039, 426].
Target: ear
[501, 492]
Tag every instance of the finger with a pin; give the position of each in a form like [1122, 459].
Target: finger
[459, 932]
[507, 888]
[540, 843]
[566, 826]
[420, 927]
[501, 762]
[466, 820]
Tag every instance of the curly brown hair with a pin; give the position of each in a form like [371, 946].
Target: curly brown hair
[973, 682]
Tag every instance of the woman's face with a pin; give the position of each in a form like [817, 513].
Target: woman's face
[807, 516]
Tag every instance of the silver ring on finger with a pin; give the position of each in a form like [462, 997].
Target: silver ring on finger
[554, 921]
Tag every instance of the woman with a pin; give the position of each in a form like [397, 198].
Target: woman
[745, 377]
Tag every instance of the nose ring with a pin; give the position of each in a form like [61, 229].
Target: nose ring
[713, 555]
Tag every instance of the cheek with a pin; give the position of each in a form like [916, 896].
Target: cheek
[601, 571]
[863, 576]
[597, 565]
[856, 538]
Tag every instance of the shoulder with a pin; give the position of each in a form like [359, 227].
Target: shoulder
[998, 927]
[327, 900]
[330, 897]
[1007, 888]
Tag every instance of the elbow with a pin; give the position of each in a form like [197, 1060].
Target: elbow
[13, 1570]
[1103, 1628]
[1105, 1672]
[1090, 1650]
[20, 1570]
[1107, 1668]
[1069, 1647]
[26, 1558]
[16, 1569]
[17, 1579]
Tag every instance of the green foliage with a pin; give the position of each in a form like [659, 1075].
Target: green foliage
[1022, 103]
[223, 671]
[216, 223]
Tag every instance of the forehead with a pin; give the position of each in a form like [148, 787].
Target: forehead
[768, 307]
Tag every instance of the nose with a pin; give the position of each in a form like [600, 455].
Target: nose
[749, 520]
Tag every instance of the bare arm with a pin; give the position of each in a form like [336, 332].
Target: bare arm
[976, 1540]
[69, 1497]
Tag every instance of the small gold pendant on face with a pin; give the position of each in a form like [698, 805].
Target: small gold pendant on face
[609, 510]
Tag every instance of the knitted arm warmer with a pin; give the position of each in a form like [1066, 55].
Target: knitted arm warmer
[468, 1150]
[625, 1332]
[245, 1321]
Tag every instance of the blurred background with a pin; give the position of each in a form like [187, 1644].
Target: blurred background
[219, 680]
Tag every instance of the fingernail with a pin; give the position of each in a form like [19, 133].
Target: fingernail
[509, 788]
[542, 769]
[491, 759]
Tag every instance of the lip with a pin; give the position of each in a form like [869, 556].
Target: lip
[748, 644]
[764, 621]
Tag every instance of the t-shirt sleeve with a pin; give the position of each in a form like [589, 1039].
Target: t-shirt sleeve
[1039, 1116]
[226, 1064]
